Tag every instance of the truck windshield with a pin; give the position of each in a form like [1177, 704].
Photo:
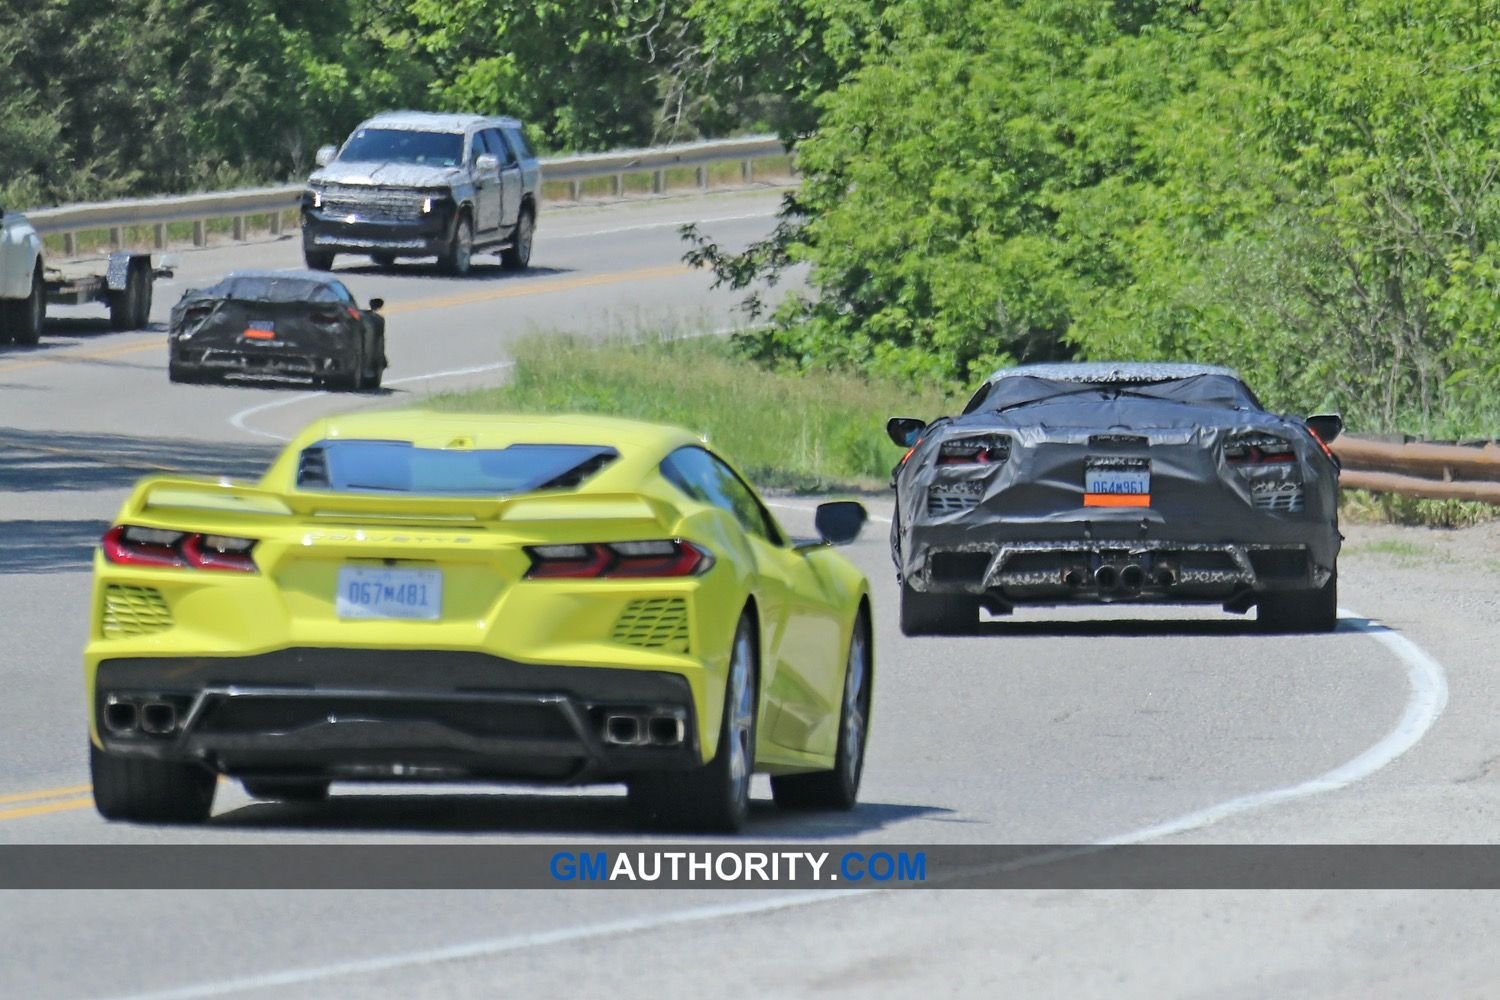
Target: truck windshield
[390, 145]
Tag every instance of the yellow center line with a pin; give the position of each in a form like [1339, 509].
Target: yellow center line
[112, 352]
[46, 793]
[95, 457]
[544, 287]
[66, 805]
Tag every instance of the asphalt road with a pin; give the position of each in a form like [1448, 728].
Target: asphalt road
[1054, 728]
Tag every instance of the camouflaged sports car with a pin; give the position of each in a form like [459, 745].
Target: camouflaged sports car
[1106, 483]
[282, 323]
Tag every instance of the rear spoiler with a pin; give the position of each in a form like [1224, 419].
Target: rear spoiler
[225, 496]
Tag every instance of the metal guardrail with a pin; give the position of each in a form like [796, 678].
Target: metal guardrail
[240, 205]
[1421, 468]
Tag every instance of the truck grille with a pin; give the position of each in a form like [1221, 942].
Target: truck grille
[373, 203]
[654, 623]
[134, 611]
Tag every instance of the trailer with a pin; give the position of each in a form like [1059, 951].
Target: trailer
[28, 283]
[125, 287]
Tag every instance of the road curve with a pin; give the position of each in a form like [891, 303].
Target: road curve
[1053, 728]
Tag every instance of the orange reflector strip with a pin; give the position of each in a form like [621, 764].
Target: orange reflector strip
[1117, 499]
[260, 334]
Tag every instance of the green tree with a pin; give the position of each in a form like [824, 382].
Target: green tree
[573, 70]
[1304, 190]
[933, 188]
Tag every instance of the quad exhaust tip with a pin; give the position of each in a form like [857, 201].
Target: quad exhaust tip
[641, 729]
[120, 716]
[155, 717]
[622, 730]
[158, 717]
[1130, 578]
[665, 731]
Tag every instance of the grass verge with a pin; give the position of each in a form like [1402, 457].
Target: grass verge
[806, 432]
[1362, 507]
[815, 432]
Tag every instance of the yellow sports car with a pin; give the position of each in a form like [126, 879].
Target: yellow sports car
[428, 596]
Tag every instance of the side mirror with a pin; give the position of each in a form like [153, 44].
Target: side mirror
[905, 430]
[1326, 426]
[376, 304]
[487, 163]
[839, 523]
[325, 155]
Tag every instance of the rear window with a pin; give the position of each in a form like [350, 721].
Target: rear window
[1199, 390]
[275, 288]
[401, 467]
[394, 145]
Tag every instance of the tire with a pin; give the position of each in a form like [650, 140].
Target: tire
[713, 798]
[458, 257]
[517, 256]
[377, 366]
[839, 788]
[383, 259]
[150, 791]
[937, 614]
[318, 260]
[28, 316]
[354, 381]
[146, 280]
[287, 789]
[1314, 609]
[130, 309]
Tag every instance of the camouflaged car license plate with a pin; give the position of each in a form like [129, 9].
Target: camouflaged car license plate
[1117, 482]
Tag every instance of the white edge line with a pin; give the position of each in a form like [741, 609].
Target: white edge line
[452, 373]
[498, 946]
[1425, 677]
[238, 420]
[1429, 695]
[664, 225]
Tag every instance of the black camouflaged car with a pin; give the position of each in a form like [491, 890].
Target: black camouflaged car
[282, 323]
[1104, 483]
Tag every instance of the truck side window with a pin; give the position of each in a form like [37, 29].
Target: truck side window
[500, 147]
[518, 142]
